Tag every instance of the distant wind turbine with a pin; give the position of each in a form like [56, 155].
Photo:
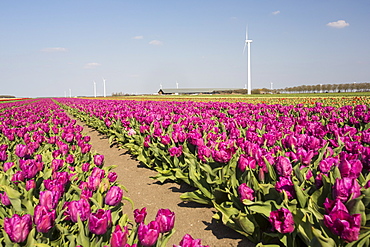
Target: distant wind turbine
[94, 89]
[104, 87]
[248, 43]
[160, 85]
[70, 93]
[271, 85]
[177, 85]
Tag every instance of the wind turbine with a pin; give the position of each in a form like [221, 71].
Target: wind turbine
[104, 87]
[248, 43]
[177, 85]
[94, 89]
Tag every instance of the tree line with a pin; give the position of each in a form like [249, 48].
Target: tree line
[318, 88]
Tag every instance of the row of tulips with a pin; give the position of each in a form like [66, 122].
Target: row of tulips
[55, 191]
[290, 175]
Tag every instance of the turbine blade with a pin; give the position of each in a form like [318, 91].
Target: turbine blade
[244, 47]
[246, 33]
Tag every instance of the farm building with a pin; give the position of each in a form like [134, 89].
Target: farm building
[176, 91]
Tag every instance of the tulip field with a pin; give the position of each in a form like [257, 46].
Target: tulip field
[282, 172]
[55, 191]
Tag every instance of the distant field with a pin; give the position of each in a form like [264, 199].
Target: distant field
[329, 99]
[8, 100]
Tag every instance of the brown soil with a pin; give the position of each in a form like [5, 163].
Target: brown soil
[191, 218]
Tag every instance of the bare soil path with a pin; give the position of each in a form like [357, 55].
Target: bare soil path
[191, 218]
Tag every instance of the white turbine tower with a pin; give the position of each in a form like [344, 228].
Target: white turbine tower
[94, 89]
[104, 87]
[177, 85]
[248, 43]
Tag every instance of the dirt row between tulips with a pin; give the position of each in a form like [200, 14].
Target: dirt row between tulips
[190, 218]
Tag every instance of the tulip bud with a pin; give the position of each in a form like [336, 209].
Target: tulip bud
[165, 219]
[139, 215]
[18, 227]
[112, 177]
[100, 221]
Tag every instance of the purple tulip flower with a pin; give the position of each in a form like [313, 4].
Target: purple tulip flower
[99, 160]
[114, 196]
[30, 184]
[49, 199]
[282, 220]
[346, 188]
[340, 222]
[188, 241]
[175, 151]
[79, 208]
[119, 237]
[285, 184]
[21, 150]
[148, 234]
[4, 199]
[43, 218]
[56, 164]
[349, 168]
[283, 166]
[85, 167]
[29, 168]
[93, 182]
[112, 177]
[165, 219]
[7, 165]
[3, 156]
[246, 161]
[18, 227]
[326, 164]
[245, 192]
[100, 221]
[139, 215]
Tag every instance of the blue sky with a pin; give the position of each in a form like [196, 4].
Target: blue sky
[48, 47]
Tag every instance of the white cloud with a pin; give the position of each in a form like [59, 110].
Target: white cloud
[155, 42]
[91, 65]
[54, 49]
[338, 24]
[138, 37]
[276, 12]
